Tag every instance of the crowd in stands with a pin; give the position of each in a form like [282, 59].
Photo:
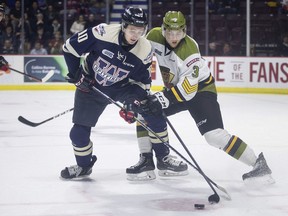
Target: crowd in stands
[43, 24]
[268, 31]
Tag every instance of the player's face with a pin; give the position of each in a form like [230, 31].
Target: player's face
[133, 33]
[173, 37]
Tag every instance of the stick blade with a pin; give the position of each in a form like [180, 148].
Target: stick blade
[27, 122]
[48, 76]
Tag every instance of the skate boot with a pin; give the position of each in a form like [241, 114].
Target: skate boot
[168, 166]
[76, 171]
[260, 172]
[143, 170]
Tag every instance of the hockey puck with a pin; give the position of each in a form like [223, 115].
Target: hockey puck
[199, 206]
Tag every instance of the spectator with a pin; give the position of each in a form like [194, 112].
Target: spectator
[40, 23]
[227, 50]
[40, 36]
[15, 14]
[32, 11]
[78, 25]
[38, 49]
[55, 44]
[97, 7]
[83, 7]
[213, 49]
[273, 6]
[6, 21]
[50, 14]
[8, 47]
[283, 47]
[27, 35]
[283, 9]
[6, 8]
[91, 22]
[55, 27]
[229, 7]
[72, 6]
[213, 6]
[42, 5]
[8, 34]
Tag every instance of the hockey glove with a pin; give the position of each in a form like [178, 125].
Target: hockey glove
[4, 66]
[128, 116]
[131, 108]
[155, 103]
[81, 81]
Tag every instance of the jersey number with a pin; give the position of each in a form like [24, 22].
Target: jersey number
[82, 36]
[195, 73]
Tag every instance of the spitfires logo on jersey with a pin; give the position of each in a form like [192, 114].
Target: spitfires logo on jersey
[107, 74]
[100, 29]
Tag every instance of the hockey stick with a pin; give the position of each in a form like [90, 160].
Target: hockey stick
[214, 198]
[44, 79]
[194, 161]
[33, 124]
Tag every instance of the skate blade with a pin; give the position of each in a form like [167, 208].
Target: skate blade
[168, 173]
[78, 178]
[260, 181]
[144, 176]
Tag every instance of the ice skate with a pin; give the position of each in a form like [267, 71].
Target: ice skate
[168, 166]
[260, 172]
[143, 170]
[75, 172]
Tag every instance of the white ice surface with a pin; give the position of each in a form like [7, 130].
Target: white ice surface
[32, 158]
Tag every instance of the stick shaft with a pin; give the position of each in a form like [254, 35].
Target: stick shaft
[44, 79]
[28, 75]
[197, 167]
[34, 124]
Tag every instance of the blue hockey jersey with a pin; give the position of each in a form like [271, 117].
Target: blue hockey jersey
[106, 59]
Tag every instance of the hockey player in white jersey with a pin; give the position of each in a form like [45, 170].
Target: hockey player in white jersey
[117, 61]
[190, 86]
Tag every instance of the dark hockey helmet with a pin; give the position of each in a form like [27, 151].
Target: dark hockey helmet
[134, 16]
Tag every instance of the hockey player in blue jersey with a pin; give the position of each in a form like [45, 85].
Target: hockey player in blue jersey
[116, 59]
